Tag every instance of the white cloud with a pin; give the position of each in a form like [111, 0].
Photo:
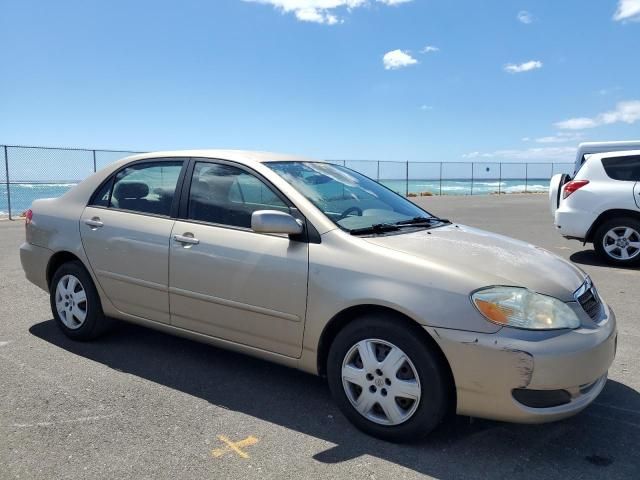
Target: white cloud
[316, 16]
[430, 49]
[542, 154]
[628, 10]
[321, 11]
[524, 17]
[579, 123]
[426, 107]
[560, 137]
[608, 91]
[523, 67]
[397, 59]
[626, 112]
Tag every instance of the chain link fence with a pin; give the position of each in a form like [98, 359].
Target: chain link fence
[414, 179]
[29, 173]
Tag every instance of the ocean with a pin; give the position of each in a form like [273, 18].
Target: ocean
[23, 194]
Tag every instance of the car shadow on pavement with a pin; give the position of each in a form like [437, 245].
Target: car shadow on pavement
[598, 442]
[591, 258]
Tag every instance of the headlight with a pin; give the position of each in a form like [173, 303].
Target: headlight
[522, 308]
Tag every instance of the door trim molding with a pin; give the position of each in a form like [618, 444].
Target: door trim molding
[134, 281]
[233, 304]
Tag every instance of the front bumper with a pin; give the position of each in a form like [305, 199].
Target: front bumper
[488, 368]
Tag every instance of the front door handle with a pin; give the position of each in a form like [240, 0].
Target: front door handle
[94, 223]
[186, 239]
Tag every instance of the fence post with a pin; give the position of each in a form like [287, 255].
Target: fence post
[94, 161]
[441, 178]
[6, 168]
[526, 176]
[500, 179]
[407, 179]
[472, 168]
[378, 171]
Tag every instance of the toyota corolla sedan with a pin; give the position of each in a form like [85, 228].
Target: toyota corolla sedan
[315, 266]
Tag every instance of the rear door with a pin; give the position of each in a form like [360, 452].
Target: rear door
[125, 233]
[625, 170]
[228, 281]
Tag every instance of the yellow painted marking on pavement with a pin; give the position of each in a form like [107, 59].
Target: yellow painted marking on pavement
[234, 446]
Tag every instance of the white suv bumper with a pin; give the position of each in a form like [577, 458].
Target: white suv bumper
[573, 223]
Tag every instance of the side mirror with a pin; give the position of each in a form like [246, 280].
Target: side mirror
[273, 221]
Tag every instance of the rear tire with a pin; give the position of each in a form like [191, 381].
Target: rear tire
[399, 400]
[617, 241]
[75, 303]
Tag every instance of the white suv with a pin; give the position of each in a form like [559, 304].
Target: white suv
[601, 205]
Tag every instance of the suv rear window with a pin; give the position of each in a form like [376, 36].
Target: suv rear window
[623, 168]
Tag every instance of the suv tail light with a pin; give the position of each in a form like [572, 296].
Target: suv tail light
[28, 216]
[572, 186]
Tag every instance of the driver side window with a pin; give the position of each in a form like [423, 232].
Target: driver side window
[228, 195]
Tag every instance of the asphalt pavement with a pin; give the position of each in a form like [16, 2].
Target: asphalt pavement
[142, 404]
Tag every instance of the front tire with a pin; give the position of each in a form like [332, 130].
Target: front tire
[617, 241]
[387, 380]
[75, 303]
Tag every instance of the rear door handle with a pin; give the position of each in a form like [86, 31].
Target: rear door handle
[191, 240]
[94, 223]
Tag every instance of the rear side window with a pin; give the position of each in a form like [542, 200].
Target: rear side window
[146, 187]
[228, 195]
[101, 197]
[623, 168]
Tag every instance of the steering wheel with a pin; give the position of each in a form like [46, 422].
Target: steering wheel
[349, 210]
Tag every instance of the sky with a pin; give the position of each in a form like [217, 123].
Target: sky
[416, 80]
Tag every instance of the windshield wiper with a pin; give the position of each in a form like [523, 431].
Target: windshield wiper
[417, 220]
[375, 228]
[390, 227]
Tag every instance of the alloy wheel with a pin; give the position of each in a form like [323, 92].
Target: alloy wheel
[622, 243]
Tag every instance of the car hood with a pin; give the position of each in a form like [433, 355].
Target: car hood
[487, 258]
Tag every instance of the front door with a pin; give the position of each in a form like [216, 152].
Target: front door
[228, 281]
[125, 233]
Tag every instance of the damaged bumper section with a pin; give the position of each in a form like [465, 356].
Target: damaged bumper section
[529, 376]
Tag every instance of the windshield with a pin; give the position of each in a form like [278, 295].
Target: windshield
[351, 200]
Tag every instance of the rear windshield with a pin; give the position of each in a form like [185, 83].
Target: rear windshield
[623, 168]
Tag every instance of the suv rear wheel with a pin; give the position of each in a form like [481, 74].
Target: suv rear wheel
[618, 241]
[387, 380]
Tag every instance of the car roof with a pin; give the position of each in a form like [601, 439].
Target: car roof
[592, 148]
[616, 153]
[240, 156]
[597, 147]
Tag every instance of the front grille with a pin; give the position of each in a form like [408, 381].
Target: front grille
[590, 302]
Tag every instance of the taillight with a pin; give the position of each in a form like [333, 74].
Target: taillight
[28, 216]
[572, 186]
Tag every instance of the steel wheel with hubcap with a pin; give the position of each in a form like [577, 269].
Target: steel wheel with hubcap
[75, 303]
[388, 377]
[618, 241]
[71, 302]
[381, 382]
